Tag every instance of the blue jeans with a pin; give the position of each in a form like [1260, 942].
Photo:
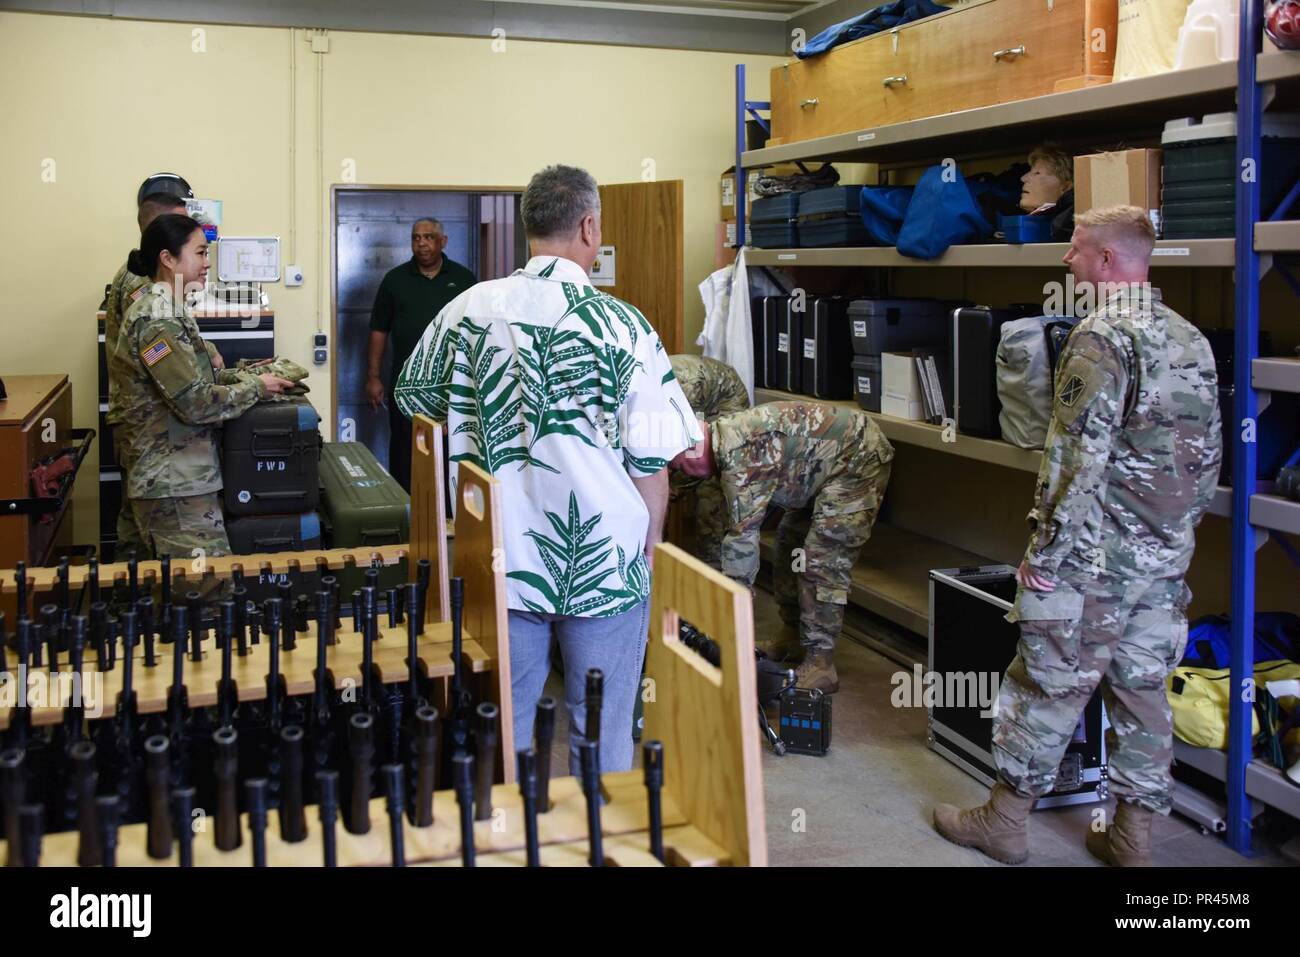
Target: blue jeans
[615, 645]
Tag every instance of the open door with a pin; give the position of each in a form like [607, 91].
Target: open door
[643, 224]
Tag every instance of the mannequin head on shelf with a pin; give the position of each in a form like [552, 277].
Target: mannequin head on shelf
[1050, 176]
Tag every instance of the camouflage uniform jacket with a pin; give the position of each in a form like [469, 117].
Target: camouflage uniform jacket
[784, 453]
[1133, 448]
[171, 400]
[712, 388]
[121, 294]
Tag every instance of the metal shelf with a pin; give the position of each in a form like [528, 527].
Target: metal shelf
[1277, 237]
[910, 432]
[892, 576]
[1276, 375]
[926, 435]
[1263, 781]
[1275, 513]
[1169, 252]
[1142, 105]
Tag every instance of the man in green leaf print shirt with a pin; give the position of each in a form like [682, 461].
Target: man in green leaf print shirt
[566, 396]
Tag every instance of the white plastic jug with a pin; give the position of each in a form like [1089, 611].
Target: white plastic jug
[1208, 34]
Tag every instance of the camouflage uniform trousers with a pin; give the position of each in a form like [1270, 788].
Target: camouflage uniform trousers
[1127, 636]
[177, 526]
[128, 534]
[831, 530]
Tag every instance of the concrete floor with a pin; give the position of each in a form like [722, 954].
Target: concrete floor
[868, 802]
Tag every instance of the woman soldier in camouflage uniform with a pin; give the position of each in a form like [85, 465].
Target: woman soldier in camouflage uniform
[173, 400]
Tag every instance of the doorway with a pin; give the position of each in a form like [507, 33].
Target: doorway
[371, 235]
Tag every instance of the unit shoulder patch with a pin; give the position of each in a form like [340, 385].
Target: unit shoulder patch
[156, 351]
[1071, 391]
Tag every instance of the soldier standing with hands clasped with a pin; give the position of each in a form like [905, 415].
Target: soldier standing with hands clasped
[1131, 464]
[172, 398]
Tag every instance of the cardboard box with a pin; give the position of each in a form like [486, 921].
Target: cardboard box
[1126, 178]
[900, 388]
[724, 252]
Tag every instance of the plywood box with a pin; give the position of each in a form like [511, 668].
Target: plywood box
[979, 54]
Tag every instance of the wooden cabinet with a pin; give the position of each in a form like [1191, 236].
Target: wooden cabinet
[35, 422]
[995, 51]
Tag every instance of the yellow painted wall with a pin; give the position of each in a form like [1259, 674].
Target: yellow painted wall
[90, 106]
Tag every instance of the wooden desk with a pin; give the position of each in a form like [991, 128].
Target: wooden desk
[35, 422]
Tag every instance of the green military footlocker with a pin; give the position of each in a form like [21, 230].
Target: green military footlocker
[362, 506]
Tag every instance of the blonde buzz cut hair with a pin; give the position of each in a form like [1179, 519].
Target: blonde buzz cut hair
[1127, 226]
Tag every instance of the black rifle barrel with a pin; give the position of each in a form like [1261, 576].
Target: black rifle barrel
[462, 774]
[327, 786]
[108, 808]
[329, 583]
[367, 647]
[544, 735]
[133, 576]
[92, 579]
[76, 647]
[239, 595]
[424, 745]
[361, 746]
[255, 789]
[528, 791]
[589, 751]
[653, 762]
[595, 701]
[84, 778]
[13, 792]
[413, 629]
[20, 585]
[183, 803]
[148, 626]
[324, 638]
[486, 718]
[293, 818]
[194, 606]
[32, 827]
[50, 618]
[423, 576]
[165, 594]
[158, 841]
[226, 767]
[225, 634]
[396, 789]
[272, 609]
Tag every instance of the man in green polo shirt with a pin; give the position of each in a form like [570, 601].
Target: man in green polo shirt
[409, 298]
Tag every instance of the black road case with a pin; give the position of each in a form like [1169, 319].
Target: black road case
[827, 350]
[976, 331]
[763, 313]
[257, 534]
[270, 459]
[831, 217]
[772, 221]
[971, 645]
[789, 347]
[898, 325]
[866, 382]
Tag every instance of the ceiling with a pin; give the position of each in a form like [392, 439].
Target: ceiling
[749, 9]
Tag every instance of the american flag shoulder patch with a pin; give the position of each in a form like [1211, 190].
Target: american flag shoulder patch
[138, 293]
[155, 351]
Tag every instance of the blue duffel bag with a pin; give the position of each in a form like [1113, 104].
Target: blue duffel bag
[883, 209]
[942, 213]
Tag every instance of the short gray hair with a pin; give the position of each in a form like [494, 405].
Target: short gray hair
[437, 224]
[556, 199]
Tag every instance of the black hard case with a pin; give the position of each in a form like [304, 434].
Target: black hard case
[970, 634]
[827, 349]
[270, 459]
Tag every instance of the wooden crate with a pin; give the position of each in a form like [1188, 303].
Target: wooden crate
[952, 61]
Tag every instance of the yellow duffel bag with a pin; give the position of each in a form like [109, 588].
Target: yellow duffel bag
[1199, 699]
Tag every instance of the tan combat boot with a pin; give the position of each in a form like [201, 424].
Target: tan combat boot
[998, 828]
[783, 646]
[1127, 842]
[817, 670]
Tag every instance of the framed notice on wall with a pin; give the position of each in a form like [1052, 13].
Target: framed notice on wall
[248, 259]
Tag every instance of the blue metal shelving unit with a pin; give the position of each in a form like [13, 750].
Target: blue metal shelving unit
[1246, 538]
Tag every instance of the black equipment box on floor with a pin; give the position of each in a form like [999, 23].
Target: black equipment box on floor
[258, 534]
[270, 459]
[971, 645]
[805, 726]
[827, 349]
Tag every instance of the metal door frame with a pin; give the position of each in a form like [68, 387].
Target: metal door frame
[335, 190]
